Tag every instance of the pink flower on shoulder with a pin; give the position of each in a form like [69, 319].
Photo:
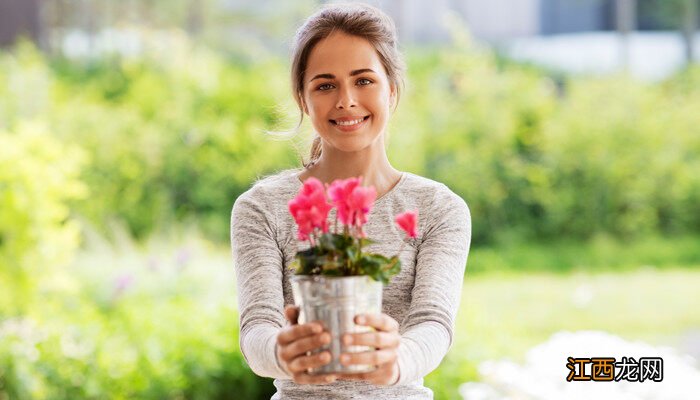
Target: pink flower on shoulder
[408, 223]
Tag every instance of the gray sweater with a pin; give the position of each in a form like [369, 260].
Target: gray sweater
[423, 297]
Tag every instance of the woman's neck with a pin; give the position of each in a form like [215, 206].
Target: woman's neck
[375, 171]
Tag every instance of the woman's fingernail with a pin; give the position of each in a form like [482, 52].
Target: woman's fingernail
[361, 319]
[344, 359]
[330, 378]
[315, 328]
[348, 339]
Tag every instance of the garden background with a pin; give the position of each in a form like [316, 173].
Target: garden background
[127, 134]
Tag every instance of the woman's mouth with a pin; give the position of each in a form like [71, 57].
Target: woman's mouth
[348, 125]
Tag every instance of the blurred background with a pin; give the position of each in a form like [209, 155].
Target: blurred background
[128, 129]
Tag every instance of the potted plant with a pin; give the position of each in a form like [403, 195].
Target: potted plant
[335, 279]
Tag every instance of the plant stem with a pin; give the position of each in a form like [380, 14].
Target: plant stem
[403, 243]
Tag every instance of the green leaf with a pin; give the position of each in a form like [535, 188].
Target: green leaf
[328, 242]
[342, 242]
[366, 241]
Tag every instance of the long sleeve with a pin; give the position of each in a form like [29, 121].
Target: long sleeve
[427, 331]
[258, 263]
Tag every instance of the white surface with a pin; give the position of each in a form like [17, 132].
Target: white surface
[652, 56]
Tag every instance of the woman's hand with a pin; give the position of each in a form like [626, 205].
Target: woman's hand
[385, 339]
[294, 341]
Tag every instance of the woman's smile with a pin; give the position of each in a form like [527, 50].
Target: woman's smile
[349, 124]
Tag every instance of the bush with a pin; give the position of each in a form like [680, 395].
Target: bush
[128, 324]
[38, 176]
[609, 155]
[168, 140]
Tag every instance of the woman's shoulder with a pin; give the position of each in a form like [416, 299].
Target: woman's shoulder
[420, 186]
[271, 189]
[437, 199]
[283, 179]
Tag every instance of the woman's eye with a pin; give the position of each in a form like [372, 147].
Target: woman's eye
[325, 86]
[363, 81]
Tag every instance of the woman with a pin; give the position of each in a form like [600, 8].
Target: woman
[347, 76]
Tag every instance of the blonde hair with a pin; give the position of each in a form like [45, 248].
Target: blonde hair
[355, 19]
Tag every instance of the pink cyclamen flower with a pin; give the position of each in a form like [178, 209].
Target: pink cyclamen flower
[360, 204]
[299, 208]
[312, 187]
[310, 208]
[339, 192]
[408, 221]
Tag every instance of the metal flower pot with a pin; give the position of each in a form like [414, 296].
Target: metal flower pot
[334, 302]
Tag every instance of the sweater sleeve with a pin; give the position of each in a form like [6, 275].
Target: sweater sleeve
[258, 262]
[427, 330]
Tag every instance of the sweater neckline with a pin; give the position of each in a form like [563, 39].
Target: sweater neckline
[298, 183]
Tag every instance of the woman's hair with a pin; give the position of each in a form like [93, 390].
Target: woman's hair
[361, 20]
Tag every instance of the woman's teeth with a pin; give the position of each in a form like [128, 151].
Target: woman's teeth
[353, 122]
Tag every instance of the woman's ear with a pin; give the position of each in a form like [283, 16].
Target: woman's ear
[392, 96]
[303, 103]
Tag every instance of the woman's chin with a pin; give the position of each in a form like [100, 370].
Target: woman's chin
[351, 146]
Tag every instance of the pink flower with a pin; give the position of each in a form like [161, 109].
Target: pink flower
[353, 201]
[339, 191]
[310, 208]
[360, 203]
[312, 187]
[408, 221]
[299, 208]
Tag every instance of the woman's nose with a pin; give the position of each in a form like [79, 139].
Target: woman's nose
[346, 99]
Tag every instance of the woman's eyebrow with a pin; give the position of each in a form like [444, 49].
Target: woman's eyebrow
[352, 73]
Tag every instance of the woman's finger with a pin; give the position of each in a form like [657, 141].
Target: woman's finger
[376, 339]
[295, 332]
[382, 322]
[301, 346]
[303, 363]
[365, 376]
[354, 377]
[384, 375]
[378, 357]
[304, 378]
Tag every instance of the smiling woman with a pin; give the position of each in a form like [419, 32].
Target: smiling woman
[347, 75]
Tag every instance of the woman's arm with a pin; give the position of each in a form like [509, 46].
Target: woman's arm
[427, 331]
[258, 262]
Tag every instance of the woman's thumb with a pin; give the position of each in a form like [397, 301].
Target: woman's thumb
[292, 314]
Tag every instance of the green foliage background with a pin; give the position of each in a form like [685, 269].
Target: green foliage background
[171, 139]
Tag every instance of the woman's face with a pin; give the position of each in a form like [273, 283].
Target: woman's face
[347, 93]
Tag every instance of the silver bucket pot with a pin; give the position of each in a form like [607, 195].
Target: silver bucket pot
[334, 302]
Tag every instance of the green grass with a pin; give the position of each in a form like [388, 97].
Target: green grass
[504, 315]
